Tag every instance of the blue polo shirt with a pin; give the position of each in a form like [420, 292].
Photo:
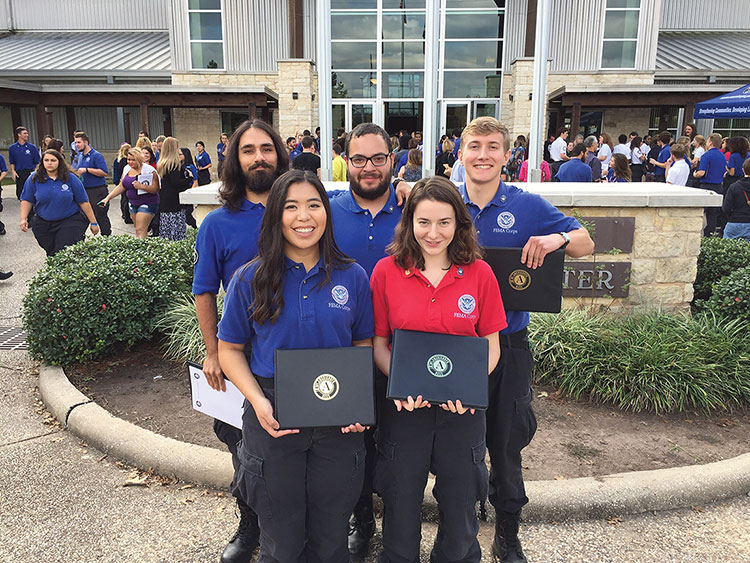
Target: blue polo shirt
[202, 159]
[226, 240]
[23, 157]
[3, 167]
[93, 159]
[360, 235]
[736, 160]
[54, 199]
[330, 315]
[509, 220]
[664, 155]
[714, 163]
[193, 171]
[220, 148]
[575, 170]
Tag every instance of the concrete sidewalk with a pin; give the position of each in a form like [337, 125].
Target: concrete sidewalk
[61, 499]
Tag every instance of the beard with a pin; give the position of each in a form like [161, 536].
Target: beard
[259, 179]
[371, 193]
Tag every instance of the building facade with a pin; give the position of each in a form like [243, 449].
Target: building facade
[195, 68]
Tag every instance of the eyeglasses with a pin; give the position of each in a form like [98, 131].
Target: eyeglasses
[359, 161]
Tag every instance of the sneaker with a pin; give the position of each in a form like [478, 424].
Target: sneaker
[242, 545]
[506, 546]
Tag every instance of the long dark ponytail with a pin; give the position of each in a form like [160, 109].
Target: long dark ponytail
[268, 280]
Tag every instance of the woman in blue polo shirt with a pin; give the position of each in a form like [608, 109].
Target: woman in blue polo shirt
[62, 208]
[203, 162]
[433, 281]
[303, 484]
[220, 150]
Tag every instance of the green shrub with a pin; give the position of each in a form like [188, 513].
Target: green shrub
[183, 338]
[656, 361]
[731, 296]
[718, 257]
[103, 293]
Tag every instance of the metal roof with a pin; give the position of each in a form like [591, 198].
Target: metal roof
[711, 51]
[104, 53]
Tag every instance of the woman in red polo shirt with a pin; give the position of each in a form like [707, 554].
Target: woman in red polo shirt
[434, 265]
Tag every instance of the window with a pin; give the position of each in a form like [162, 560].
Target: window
[206, 34]
[620, 33]
[732, 127]
[672, 116]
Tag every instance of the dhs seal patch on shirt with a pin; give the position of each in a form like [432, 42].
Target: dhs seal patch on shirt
[65, 187]
[340, 294]
[505, 220]
[467, 303]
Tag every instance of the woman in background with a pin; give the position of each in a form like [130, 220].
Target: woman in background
[446, 159]
[412, 170]
[220, 148]
[619, 169]
[143, 205]
[175, 179]
[62, 211]
[203, 163]
[637, 157]
[186, 157]
[118, 165]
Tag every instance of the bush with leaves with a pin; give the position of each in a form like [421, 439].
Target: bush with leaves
[102, 294]
[718, 257]
[656, 361]
[731, 296]
[183, 337]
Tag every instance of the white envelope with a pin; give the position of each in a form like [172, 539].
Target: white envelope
[146, 179]
[224, 405]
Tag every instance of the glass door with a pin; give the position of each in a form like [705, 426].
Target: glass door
[454, 115]
[486, 109]
[349, 114]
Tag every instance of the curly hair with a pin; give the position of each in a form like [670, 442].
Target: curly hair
[462, 250]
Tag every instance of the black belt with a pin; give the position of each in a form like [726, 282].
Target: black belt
[518, 339]
[265, 382]
[95, 187]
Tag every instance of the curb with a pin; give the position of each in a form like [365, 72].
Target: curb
[578, 499]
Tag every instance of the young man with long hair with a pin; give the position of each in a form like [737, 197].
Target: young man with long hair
[227, 239]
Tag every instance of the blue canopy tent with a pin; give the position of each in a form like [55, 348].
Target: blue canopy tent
[734, 105]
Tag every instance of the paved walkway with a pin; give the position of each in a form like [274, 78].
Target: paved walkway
[61, 500]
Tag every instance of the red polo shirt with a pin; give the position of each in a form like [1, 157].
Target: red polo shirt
[466, 302]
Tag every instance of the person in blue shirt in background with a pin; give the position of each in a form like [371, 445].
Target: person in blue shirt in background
[23, 158]
[60, 203]
[92, 170]
[186, 157]
[311, 477]
[575, 169]
[660, 164]
[711, 170]
[221, 148]
[203, 163]
[3, 174]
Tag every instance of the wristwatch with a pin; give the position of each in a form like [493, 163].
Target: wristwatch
[567, 239]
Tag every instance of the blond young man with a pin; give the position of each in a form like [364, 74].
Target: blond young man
[506, 216]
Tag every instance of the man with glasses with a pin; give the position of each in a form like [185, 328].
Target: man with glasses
[363, 223]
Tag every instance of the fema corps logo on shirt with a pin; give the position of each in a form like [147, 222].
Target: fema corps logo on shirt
[28, 151]
[340, 294]
[439, 365]
[467, 303]
[505, 220]
[64, 187]
[325, 387]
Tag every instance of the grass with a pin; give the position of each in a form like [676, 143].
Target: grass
[183, 339]
[656, 362]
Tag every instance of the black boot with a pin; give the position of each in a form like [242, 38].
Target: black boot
[506, 547]
[361, 526]
[240, 548]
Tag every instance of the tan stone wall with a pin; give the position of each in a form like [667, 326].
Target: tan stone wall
[226, 79]
[664, 258]
[302, 113]
[624, 120]
[198, 124]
